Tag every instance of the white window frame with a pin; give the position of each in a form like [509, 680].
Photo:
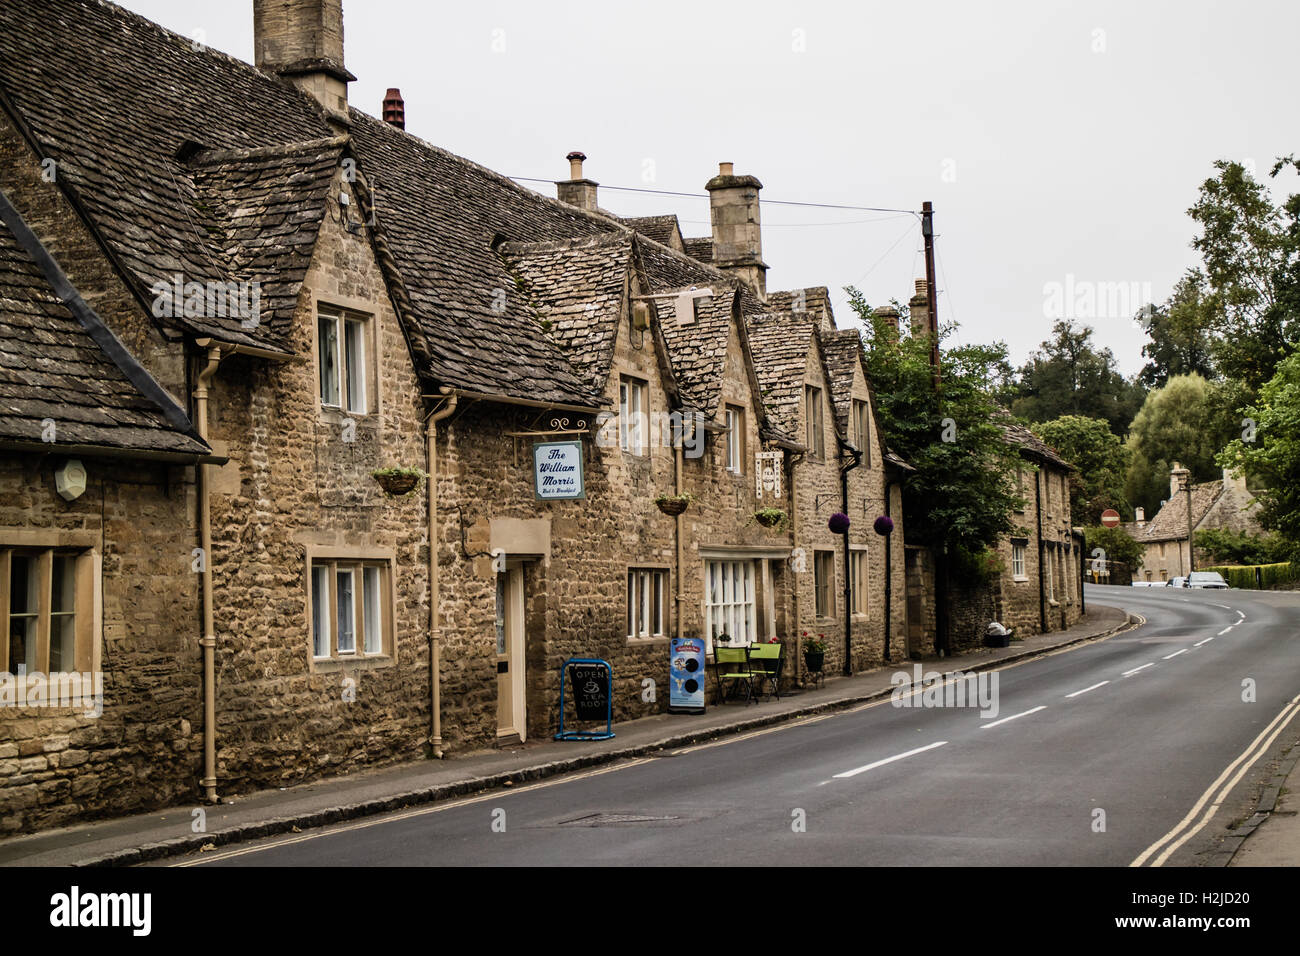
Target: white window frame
[647, 603]
[633, 412]
[350, 377]
[372, 621]
[1018, 562]
[81, 578]
[1050, 567]
[824, 583]
[858, 568]
[730, 601]
[814, 422]
[735, 420]
[862, 428]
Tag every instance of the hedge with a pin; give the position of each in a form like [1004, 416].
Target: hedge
[1270, 575]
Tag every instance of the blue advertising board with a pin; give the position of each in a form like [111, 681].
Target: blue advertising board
[686, 675]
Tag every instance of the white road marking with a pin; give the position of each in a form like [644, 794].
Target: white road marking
[1206, 641]
[1169, 657]
[1224, 606]
[1015, 716]
[1086, 689]
[1225, 630]
[1259, 746]
[1136, 669]
[880, 763]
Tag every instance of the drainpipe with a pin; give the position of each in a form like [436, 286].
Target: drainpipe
[848, 577]
[889, 568]
[681, 597]
[793, 576]
[208, 641]
[435, 630]
[1042, 587]
[1081, 549]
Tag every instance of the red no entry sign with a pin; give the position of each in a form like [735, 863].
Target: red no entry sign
[1110, 518]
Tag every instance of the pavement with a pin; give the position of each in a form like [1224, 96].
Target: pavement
[1272, 836]
[146, 837]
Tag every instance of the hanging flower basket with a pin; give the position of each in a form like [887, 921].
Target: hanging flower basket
[771, 517]
[838, 523]
[674, 504]
[884, 525]
[398, 481]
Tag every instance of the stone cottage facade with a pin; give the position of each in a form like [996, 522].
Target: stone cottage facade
[280, 295]
[1224, 503]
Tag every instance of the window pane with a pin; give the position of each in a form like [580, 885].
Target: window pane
[346, 614]
[370, 609]
[320, 612]
[501, 614]
[657, 604]
[355, 349]
[327, 340]
[23, 607]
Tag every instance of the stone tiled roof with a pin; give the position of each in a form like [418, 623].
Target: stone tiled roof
[58, 366]
[699, 248]
[1170, 522]
[661, 229]
[814, 300]
[576, 289]
[1030, 445]
[780, 342]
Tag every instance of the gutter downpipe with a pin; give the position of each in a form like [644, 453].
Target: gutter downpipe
[208, 641]
[889, 567]
[848, 577]
[1042, 587]
[799, 670]
[681, 597]
[435, 629]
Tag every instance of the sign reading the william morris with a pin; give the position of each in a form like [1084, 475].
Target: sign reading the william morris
[557, 470]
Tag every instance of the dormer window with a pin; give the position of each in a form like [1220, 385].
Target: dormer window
[341, 357]
[814, 422]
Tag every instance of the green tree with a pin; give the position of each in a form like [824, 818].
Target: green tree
[1185, 421]
[963, 492]
[1251, 251]
[1181, 340]
[1116, 545]
[1269, 450]
[1068, 375]
[1101, 460]
[1225, 546]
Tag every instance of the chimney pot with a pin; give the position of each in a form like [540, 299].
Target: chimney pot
[726, 169]
[575, 159]
[394, 108]
[578, 190]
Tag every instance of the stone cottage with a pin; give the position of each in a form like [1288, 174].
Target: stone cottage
[279, 296]
[1223, 503]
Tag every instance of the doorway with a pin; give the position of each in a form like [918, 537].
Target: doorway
[512, 716]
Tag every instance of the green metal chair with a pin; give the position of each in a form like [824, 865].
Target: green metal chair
[732, 679]
[766, 661]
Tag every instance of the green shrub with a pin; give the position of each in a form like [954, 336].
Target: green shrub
[1270, 575]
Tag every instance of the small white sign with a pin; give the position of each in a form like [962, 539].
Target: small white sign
[767, 474]
[557, 470]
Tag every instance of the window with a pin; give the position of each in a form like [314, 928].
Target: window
[858, 571]
[1049, 560]
[349, 601]
[824, 582]
[341, 356]
[45, 601]
[1018, 562]
[862, 430]
[729, 600]
[1020, 489]
[816, 433]
[645, 602]
[632, 410]
[735, 440]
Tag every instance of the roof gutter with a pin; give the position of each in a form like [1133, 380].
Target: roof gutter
[509, 400]
[108, 451]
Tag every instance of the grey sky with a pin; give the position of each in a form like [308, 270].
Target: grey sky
[1055, 139]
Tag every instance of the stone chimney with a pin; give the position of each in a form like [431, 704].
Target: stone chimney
[889, 313]
[577, 190]
[737, 231]
[394, 108]
[1140, 515]
[302, 40]
[918, 309]
[1235, 481]
[1176, 476]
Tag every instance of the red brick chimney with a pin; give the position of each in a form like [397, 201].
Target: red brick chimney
[395, 108]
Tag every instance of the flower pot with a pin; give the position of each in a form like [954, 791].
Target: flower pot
[768, 520]
[394, 485]
[672, 506]
[813, 660]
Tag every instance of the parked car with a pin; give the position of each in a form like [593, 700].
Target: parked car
[1207, 579]
[1178, 582]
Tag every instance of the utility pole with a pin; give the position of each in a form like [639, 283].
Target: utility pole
[1191, 551]
[931, 288]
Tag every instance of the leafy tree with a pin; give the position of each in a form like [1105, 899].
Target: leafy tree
[1271, 452]
[1184, 421]
[1251, 251]
[1116, 545]
[963, 492]
[1225, 546]
[1181, 340]
[1068, 375]
[1101, 460]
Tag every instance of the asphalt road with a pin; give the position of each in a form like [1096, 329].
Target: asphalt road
[1095, 754]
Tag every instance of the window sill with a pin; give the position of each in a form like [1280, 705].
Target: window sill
[327, 665]
[647, 641]
[1021, 579]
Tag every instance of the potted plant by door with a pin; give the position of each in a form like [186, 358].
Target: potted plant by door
[674, 504]
[814, 652]
[398, 481]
